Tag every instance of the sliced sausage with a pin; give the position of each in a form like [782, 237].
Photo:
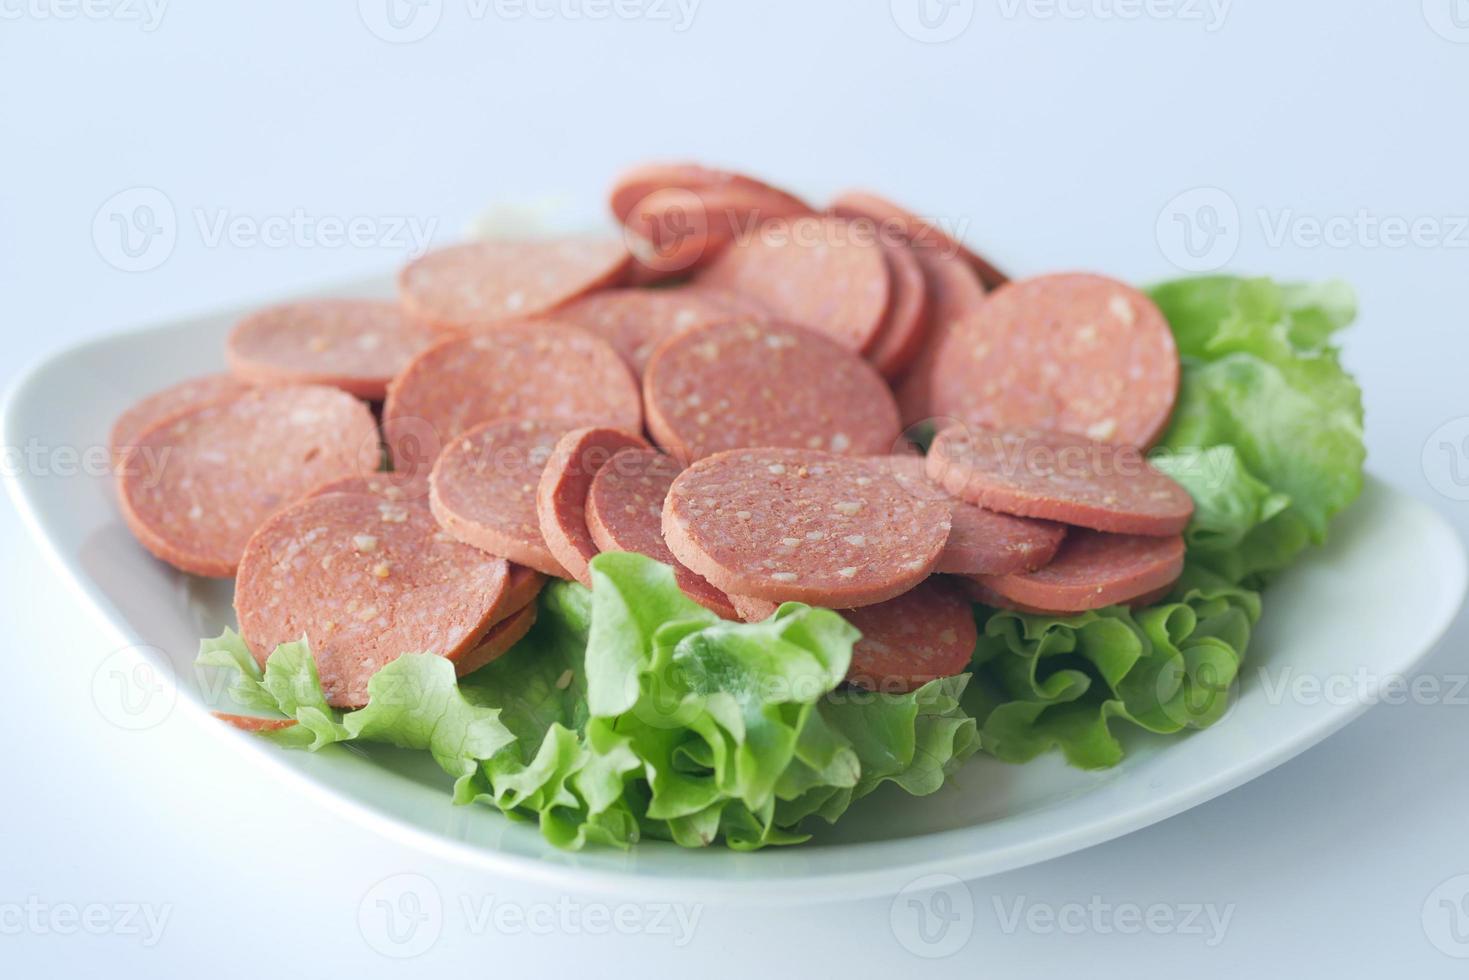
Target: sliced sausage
[196, 486]
[254, 723]
[753, 610]
[486, 284]
[1074, 353]
[984, 595]
[499, 639]
[981, 542]
[399, 487]
[357, 345]
[636, 321]
[364, 580]
[1059, 477]
[919, 232]
[812, 271]
[675, 230]
[174, 400]
[809, 526]
[1093, 570]
[543, 369]
[561, 494]
[739, 384]
[954, 295]
[905, 326]
[483, 489]
[625, 513]
[636, 183]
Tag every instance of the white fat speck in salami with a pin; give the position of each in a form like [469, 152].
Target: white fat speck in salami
[859, 536]
[741, 384]
[1073, 352]
[173, 400]
[812, 271]
[194, 487]
[636, 321]
[357, 345]
[561, 494]
[1093, 570]
[544, 369]
[1058, 477]
[483, 489]
[416, 591]
[981, 542]
[486, 284]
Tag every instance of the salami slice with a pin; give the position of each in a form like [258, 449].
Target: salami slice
[904, 327]
[499, 639]
[489, 283]
[174, 400]
[636, 321]
[483, 489]
[787, 524]
[196, 486]
[1071, 353]
[812, 271]
[561, 495]
[637, 183]
[254, 723]
[1058, 477]
[739, 384]
[753, 610]
[981, 542]
[984, 595]
[921, 233]
[675, 230]
[364, 580]
[397, 487]
[954, 295]
[625, 513]
[355, 345]
[1093, 570]
[544, 369]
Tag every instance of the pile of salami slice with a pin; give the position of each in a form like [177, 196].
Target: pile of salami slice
[727, 387]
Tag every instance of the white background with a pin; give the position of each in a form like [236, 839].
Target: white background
[1059, 135]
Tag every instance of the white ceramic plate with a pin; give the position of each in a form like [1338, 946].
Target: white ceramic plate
[1375, 600]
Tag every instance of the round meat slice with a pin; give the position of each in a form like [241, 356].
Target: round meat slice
[742, 384]
[498, 640]
[196, 486]
[397, 487]
[753, 610]
[954, 295]
[675, 230]
[254, 723]
[561, 495]
[489, 283]
[984, 595]
[1071, 353]
[813, 271]
[921, 233]
[625, 513]
[981, 542]
[906, 324]
[636, 321]
[483, 489]
[788, 524]
[637, 183]
[543, 369]
[357, 345]
[906, 642]
[1093, 570]
[1058, 477]
[364, 580]
[175, 400]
